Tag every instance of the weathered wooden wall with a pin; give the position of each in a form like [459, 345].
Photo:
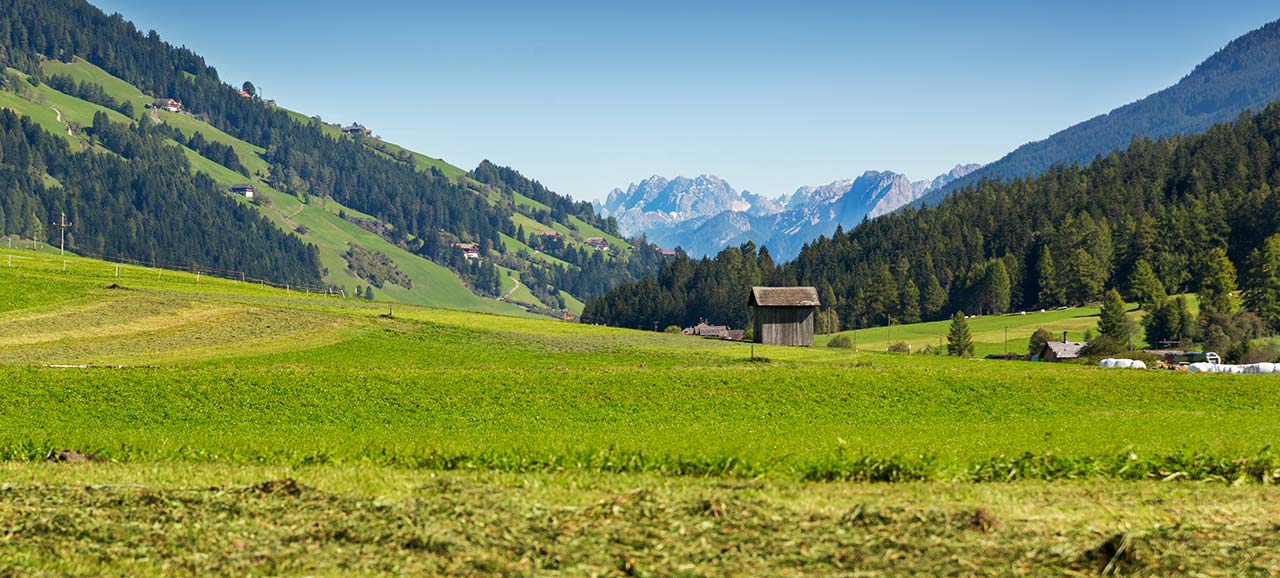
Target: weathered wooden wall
[783, 326]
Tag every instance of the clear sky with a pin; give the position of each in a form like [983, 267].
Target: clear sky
[585, 96]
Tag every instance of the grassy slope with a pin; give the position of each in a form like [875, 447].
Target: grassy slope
[433, 285]
[988, 331]
[327, 380]
[262, 432]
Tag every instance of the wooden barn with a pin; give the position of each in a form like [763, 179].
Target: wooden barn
[783, 315]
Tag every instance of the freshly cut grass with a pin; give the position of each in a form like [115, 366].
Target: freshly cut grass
[249, 520]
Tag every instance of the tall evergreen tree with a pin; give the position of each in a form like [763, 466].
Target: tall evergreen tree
[1263, 281]
[1218, 284]
[1145, 286]
[959, 339]
[1111, 321]
[1050, 292]
[909, 308]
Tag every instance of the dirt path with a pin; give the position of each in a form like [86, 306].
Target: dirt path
[513, 289]
[59, 113]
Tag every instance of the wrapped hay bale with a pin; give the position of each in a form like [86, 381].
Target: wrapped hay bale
[1138, 364]
[1124, 364]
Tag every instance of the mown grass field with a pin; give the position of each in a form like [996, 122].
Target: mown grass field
[457, 443]
[989, 331]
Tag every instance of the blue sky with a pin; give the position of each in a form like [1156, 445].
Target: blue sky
[586, 96]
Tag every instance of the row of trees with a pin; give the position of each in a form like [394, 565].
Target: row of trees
[1163, 212]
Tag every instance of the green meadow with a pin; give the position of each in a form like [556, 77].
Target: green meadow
[248, 430]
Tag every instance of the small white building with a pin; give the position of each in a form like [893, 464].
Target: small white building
[244, 189]
[168, 104]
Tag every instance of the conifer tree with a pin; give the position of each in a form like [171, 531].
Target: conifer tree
[959, 339]
[1218, 284]
[1146, 286]
[1111, 321]
[1263, 281]
[934, 299]
[909, 305]
[1047, 274]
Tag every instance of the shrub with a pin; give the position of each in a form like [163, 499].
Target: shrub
[841, 341]
[1104, 346]
[899, 347]
[1038, 341]
[930, 350]
[302, 229]
[673, 329]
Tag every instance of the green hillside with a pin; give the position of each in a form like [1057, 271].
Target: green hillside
[988, 331]
[433, 285]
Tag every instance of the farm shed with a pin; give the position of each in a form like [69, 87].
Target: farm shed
[783, 315]
[1061, 350]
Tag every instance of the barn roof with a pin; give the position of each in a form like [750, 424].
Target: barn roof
[1066, 350]
[784, 297]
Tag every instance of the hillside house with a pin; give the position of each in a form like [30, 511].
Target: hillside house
[1056, 351]
[168, 104]
[469, 250]
[243, 189]
[704, 329]
[357, 129]
[667, 253]
[244, 94]
[598, 243]
[783, 315]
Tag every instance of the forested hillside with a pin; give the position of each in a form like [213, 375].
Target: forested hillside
[139, 198]
[1190, 213]
[1242, 76]
[314, 182]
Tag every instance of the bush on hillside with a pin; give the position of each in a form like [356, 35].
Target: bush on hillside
[899, 347]
[841, 342]
[673, 329]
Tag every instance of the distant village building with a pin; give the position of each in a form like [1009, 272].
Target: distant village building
[244, 94]
[598, 243]
[168, 104]
[783, 315]
[667, 253]
[469, 250]
[357, 129]
[1064, 350]
[244, 189]
[704, 329]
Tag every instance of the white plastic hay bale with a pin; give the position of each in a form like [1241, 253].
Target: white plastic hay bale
[1250, 369]
[1201, 367]
[1108, 362]
[1266, 368]
[1124, 364]
[1138, 364]
[1232, 369]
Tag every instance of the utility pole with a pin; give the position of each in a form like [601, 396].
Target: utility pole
[63, 225]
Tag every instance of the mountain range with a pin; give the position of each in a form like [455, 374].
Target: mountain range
[1244, 75]
[704, 214]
